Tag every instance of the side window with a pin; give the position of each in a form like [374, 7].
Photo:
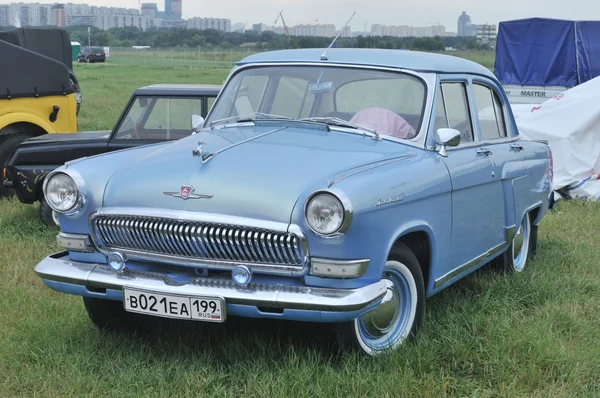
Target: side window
[181, 111]
[291, 98]
[489, 113]
[441, 121]
[173, 114]
[157, 120]
[209, 103]
[457, 109]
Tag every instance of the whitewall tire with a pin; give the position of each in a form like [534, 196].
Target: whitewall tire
[386, 327]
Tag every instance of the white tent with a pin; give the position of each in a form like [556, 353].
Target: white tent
[570, 122]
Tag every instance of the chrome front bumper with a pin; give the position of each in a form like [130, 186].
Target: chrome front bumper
[60, 268]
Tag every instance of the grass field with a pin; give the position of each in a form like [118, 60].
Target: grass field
[536, 334]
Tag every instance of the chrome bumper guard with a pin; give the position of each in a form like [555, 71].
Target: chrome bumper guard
[60, 268]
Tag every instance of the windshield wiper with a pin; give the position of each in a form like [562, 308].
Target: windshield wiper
[336, 121]
[250, 117]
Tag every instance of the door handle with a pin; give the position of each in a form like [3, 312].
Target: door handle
[516, 147]
[484, 151]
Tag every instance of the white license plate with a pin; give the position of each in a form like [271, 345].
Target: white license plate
[208, 309]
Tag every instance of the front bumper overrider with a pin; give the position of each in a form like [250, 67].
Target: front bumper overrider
[316, 304]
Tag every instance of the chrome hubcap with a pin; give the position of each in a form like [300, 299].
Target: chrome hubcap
[518, 242]
[520, 245]
[381, 319]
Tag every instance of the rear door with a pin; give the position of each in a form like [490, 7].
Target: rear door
[477, 199]
[505, 152]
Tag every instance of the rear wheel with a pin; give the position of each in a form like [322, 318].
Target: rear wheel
[10, 138]
[514, 259]
[106, 314]
[398, 316]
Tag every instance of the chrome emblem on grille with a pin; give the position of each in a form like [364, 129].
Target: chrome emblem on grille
[187, 192]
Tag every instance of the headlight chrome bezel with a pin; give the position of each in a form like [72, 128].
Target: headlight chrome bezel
[348, 211]
[79, 184]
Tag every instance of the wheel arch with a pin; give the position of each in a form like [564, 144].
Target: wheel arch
[536, 212]
[420, 240]
[26, 124]
[26, 127]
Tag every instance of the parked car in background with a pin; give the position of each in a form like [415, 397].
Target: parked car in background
[153, 114]
[342, 187]
[39, 93]
[92, 54]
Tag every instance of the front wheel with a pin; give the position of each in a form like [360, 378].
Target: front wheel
[47, 215]
[398, 316]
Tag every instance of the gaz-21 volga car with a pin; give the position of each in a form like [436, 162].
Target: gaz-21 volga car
[342, 187]
[155, 113]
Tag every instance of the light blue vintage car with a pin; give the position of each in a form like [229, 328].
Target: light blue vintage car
[341, 187]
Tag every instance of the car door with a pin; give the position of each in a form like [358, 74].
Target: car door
[477, 201]
[504, 150]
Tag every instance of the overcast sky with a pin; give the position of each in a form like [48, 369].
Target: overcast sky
[386, 12]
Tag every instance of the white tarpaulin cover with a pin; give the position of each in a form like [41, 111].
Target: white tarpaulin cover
[570, 122]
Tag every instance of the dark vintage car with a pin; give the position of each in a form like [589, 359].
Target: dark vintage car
[154, 114]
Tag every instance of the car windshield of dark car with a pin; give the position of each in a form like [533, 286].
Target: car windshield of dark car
[392, 103]
[159, 118]
[97, 50]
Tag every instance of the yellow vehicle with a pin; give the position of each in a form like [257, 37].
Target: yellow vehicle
[39, 93]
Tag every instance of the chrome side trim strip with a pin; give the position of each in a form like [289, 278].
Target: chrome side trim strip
[362, 169]
[60, 268]
[510, 233]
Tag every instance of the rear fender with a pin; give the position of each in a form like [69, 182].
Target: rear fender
[20, 117]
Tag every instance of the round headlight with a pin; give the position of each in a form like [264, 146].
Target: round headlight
[325, 214]
[61, 192]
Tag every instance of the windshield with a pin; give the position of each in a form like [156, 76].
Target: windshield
[159, 118]
[390, 103]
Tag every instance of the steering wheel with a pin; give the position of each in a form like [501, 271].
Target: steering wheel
[140, 131]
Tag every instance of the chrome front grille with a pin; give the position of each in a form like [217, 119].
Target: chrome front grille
[176, 240]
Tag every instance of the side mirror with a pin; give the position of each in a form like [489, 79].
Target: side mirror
[197, 121]
[446, 137]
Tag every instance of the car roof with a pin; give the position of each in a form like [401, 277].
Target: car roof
[179, 89]
[404, 59]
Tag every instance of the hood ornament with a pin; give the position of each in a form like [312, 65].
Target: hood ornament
[187, 192]
[200, 152]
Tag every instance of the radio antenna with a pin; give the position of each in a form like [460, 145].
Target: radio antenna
[324, 55]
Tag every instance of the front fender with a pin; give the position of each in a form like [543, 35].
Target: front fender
[388, 202]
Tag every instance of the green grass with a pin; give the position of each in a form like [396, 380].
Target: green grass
[106, 88]
[535, 334]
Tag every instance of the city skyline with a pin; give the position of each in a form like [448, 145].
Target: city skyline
[382, 12]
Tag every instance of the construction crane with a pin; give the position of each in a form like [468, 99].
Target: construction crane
[287, 32]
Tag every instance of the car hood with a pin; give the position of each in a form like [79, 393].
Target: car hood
[69, 137]
[256, 171]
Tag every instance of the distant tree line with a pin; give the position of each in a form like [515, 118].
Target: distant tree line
[209, 39]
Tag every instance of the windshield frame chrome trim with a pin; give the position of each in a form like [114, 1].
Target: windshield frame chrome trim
[429, 79]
